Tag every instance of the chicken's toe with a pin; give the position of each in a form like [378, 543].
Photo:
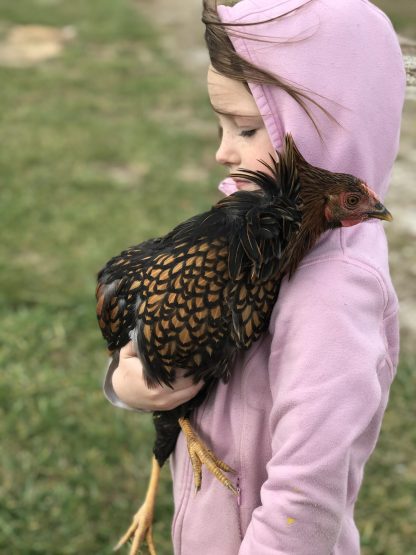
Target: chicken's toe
[200, 454]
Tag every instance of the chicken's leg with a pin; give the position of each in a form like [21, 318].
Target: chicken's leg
[141, 526]
[200, 454]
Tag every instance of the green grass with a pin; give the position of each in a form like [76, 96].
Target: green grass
[93, 146]
[92, 150]
[385, 512]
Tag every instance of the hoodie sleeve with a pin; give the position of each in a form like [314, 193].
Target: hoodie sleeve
[327, 348]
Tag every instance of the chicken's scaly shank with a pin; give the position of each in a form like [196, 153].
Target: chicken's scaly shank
[193, 298]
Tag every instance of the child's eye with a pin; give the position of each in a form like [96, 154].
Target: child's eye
[248, 133]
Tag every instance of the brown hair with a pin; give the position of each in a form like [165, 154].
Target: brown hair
[228, 62]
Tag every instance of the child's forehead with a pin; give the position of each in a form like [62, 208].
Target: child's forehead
[230, 97]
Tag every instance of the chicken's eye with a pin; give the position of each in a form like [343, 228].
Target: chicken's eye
[351, 201]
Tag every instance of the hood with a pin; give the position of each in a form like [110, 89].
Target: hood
[344, 54]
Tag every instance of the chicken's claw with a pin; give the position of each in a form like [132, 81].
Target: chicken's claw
[139, 530]
[141, 527]
[200, 454]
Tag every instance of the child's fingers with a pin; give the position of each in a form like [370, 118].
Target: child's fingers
[130, 386]
[128, 350]
[172, 399]
[129, 359]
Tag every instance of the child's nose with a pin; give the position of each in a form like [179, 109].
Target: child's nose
[227, 154]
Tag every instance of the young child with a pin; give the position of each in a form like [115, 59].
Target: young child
[303, 409]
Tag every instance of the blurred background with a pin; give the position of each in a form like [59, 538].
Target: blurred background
[107, 139]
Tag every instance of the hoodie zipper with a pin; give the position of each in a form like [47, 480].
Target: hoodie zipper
[240, 529]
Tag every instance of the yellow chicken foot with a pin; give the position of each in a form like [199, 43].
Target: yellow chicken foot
[200, 454]
[141, 526]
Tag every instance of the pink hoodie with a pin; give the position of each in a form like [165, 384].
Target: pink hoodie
[302, 412]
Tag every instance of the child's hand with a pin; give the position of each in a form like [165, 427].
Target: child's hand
[130, 387]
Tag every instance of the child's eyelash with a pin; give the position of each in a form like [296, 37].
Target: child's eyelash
[244, 133]
[248, 133]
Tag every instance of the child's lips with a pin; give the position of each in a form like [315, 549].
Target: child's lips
[240, 184]
[245, 185]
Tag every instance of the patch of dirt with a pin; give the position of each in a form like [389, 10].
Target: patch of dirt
[182, 36]
[28, 45]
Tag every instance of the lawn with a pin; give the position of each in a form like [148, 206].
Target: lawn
[102, 147]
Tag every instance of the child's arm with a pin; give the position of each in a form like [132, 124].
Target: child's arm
[329, 376]
[125, 386]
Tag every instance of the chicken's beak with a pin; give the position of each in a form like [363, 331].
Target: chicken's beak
[377, 209]
[380, 212]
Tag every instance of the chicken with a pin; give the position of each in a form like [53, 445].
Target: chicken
[195, 297]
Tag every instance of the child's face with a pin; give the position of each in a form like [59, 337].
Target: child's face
[244, 138]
